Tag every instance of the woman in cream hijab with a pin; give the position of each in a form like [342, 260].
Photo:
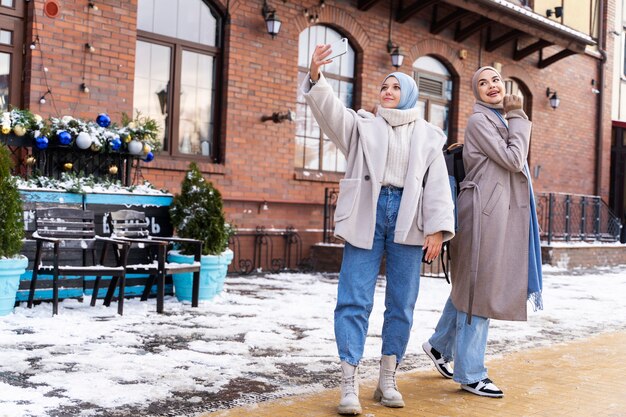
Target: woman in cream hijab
[496, 255]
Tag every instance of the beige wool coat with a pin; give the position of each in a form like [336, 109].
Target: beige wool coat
[426, 206]
[490, 251]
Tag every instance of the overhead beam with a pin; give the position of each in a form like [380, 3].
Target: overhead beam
[554, 58]
[450, 19]
[366, 4]
[502, 40]
[520, 54]
[469, 30]
[404, 13]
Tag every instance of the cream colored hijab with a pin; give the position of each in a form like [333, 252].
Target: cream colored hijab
[475, 79]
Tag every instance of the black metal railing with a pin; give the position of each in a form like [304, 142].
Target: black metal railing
[574, 217]
[264, 249]
[330, 202]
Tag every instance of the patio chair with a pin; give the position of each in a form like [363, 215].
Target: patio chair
[70, 234]
[132, 226]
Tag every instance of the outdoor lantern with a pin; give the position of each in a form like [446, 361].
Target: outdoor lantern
[554, 100]
[396, 57]
[271, 19]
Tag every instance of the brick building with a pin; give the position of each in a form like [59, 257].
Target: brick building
[210, 73]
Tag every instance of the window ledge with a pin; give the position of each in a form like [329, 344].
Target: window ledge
[167, 163]
[317, 176]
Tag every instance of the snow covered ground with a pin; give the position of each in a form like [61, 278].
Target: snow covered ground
[267, 336]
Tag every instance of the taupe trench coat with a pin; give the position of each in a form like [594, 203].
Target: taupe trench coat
[490, 250]
[426, 206]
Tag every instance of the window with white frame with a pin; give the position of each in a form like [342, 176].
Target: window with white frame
[178, 53]
[434, 83]
[314, 151]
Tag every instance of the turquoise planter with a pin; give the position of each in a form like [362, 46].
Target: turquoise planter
[10, 271]
[212, 275]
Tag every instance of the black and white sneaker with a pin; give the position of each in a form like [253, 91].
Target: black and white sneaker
[484, 388]
[440, 364]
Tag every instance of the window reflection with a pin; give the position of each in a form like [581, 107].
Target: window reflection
[313, 151]
[196, 97]
[152, 80]
[5, 80]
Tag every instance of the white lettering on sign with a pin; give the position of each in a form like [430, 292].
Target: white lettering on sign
[29, 217]
[156, 229]
[105, 224]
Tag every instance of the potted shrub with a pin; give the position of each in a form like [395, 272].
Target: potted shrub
[12, 264]
[198, 213]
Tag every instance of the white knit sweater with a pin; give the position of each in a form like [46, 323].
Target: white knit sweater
[400, 128]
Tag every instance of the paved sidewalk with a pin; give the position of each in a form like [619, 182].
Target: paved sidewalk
[584, 378]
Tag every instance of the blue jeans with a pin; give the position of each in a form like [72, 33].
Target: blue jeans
[462, 343]
[357, 284]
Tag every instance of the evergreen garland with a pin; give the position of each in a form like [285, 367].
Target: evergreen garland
[11, 213]
[198, 213]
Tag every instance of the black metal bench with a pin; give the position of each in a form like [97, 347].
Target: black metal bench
[132, 226]
[71, 229]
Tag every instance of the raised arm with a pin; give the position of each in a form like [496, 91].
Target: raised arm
[334, 119]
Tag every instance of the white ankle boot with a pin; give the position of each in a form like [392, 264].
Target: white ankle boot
[387, 391]
[349, 403]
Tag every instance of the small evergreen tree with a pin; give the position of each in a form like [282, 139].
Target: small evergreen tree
[11, 213]
[198, 213]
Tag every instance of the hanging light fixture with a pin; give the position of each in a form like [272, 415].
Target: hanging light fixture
[272, 22]
[397, 57]
[554, 100]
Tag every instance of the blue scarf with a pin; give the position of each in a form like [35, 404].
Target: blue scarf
[535, 276]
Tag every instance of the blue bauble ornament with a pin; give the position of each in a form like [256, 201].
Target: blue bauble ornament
[103, 120]
[116, 143]
[41, 142]
[149, 157]
[64, 137]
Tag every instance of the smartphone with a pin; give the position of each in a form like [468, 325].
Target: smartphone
[338, 48]
[424, 258]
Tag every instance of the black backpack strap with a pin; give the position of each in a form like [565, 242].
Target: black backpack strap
[444, 258]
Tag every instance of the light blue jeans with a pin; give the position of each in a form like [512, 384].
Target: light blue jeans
[357, 284]
[462, 343]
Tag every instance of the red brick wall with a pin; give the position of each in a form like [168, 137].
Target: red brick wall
[108, 72]
[261, 78]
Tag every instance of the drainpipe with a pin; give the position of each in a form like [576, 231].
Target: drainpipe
[600, 100]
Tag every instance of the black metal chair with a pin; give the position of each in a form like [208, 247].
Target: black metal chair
[64, 230]
[132, 226]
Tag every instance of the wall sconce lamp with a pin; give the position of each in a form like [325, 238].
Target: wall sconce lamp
[271, 19]
[263, 206]
[557, 12]
[162, 95]
[397, 57]
[42, 100]
[89, 47]
[554, 100]
[93, 6]
[277, 117]
[392, 49]
[84, 88]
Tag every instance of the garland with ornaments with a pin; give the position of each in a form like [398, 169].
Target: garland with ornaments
[137, 137]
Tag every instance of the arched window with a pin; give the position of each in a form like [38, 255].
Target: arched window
[435, 90]
[314, 151]
[178, 51]
[515, 87]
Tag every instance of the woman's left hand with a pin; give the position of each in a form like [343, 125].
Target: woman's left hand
[432, 246]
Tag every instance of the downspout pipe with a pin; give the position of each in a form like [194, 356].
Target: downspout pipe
[600, 100]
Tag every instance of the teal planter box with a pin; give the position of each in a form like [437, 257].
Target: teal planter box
[213, 270]
[10, 271]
